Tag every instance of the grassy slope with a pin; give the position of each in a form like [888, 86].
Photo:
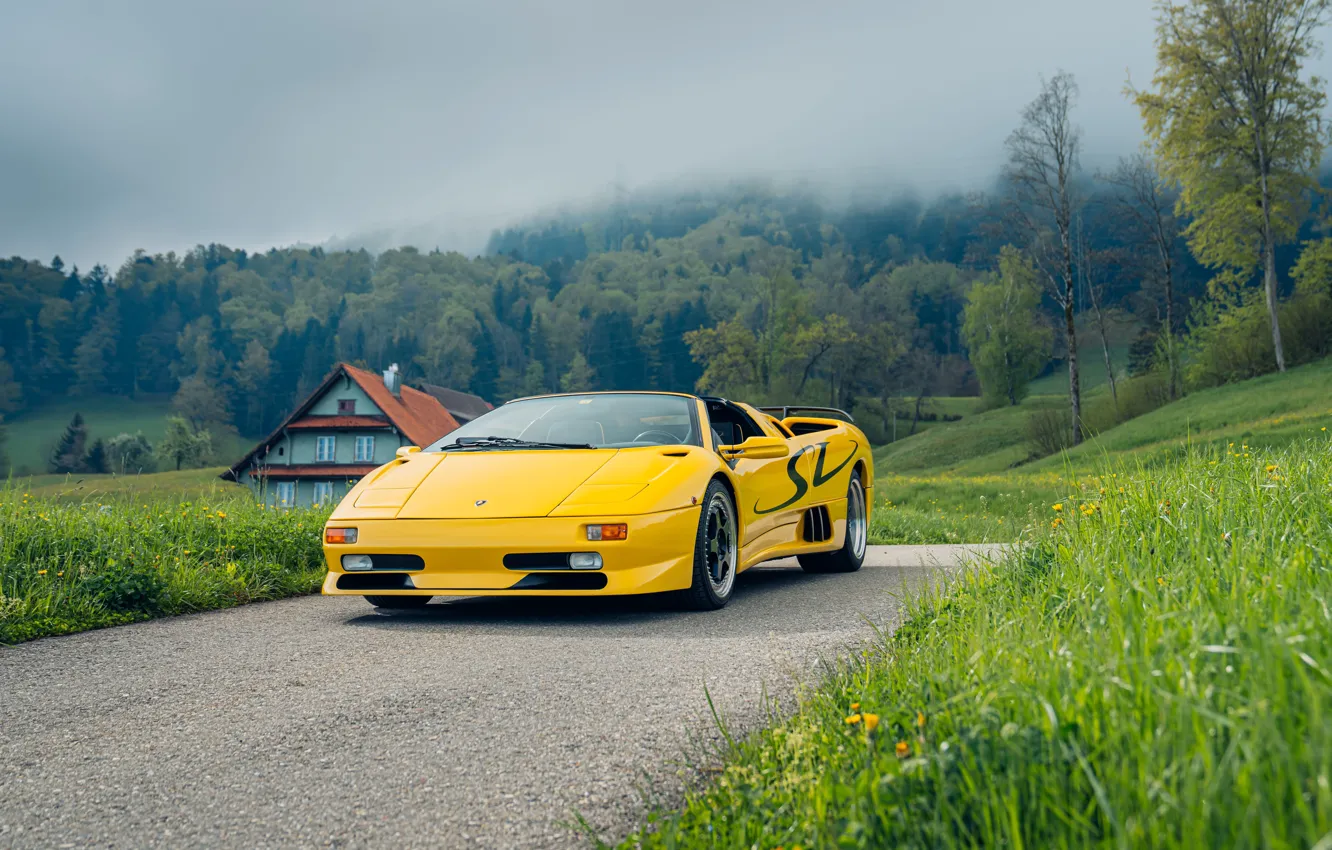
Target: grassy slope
[1154, 671]
[32, 434]
[957, 481]
[1271, 410]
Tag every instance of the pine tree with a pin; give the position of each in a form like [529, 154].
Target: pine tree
[95, 460]
[68, 453]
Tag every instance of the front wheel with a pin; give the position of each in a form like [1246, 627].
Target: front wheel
[398, 602]
[716, 552]
[852, 554]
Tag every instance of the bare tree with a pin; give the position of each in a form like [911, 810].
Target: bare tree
[1145, 202]
[1093, 279]
[1042, 166]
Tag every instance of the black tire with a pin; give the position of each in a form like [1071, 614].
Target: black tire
[716, 552]
[852, 554]
[401, 603]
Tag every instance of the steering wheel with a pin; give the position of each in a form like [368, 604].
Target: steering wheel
[670, 438]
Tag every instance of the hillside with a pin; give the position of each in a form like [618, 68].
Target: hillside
[972, 480]
[1269, 410]
[33, 433]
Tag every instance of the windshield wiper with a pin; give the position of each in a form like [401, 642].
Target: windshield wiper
[509, 443]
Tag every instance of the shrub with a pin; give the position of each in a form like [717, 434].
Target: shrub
[129, 454]
[1048, 431]
[1136, 396]
[1233, 341]
[128, 589]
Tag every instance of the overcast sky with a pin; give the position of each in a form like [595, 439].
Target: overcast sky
[160, 124]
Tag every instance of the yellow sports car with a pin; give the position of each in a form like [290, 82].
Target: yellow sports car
[597, 494]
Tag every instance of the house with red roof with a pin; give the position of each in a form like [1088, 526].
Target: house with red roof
[354, 422]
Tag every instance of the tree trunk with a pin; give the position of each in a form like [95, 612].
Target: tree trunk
[1172, 367]
[1105, 350]
[915, 420]
[1074, 386]
[1270, 284]
[1269, 261]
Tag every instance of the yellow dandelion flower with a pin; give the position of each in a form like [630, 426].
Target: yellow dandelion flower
[871, 722]
[853, 720]
[902, 750]
[41, 572]
[855, 706]
[1160, 581]
[221, 514]
[1057, 507]
[1271, 467]
[920, 719]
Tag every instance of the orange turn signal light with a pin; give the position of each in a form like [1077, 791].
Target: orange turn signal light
[615, 531]
[339, 535]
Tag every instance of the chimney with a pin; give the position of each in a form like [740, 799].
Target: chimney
[392, 380]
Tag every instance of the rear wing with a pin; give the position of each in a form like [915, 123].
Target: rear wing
[815, 412]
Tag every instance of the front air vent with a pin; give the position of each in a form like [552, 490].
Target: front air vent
[818, 526]
[370, 581]
[537, 561]
[556, 581]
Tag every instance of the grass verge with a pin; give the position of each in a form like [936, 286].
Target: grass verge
[70, 567]
[959, 509]
[1151, 670]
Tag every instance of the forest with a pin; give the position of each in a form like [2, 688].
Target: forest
[750, 290]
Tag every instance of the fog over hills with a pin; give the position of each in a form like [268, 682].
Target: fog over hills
[158, 125]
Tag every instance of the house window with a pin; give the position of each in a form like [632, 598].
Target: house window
[365, 448]
[325, 448]
[286, 494]
[323, 492]
[346, 406]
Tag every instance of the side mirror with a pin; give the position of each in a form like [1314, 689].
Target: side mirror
[406, 451]
[757, 448]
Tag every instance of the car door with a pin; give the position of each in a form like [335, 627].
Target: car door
[771, 491]
[831, 452]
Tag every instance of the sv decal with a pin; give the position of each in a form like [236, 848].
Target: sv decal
[819, 478]
[801, 485]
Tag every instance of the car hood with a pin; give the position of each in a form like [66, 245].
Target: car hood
[432, 485]
[485, 485]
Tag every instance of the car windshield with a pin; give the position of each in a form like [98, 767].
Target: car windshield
[596, 420]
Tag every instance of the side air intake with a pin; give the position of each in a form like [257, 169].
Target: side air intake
[818, 526]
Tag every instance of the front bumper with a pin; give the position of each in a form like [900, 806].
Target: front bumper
[466, 557]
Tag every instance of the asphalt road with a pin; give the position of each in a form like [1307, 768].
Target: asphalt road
[318, 722]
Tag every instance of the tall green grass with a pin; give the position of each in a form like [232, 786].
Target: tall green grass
[1153, 670]
[66, 567]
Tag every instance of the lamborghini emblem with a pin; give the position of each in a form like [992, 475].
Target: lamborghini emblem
[479, 502]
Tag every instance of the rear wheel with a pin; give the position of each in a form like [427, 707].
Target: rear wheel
[852, 554]
[716, 551]
[398, 602]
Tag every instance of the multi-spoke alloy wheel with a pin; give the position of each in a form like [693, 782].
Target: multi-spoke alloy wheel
[721, 544]
[716, 551]
[856, 527]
